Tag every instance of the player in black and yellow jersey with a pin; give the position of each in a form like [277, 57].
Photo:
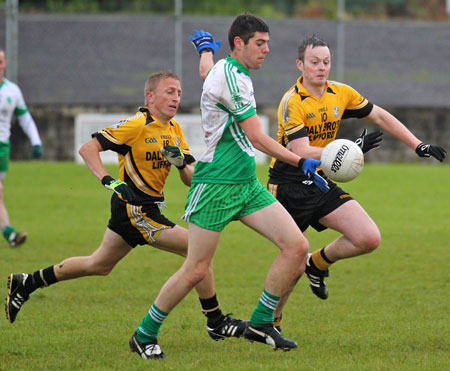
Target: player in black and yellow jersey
[309, 116]
[147, 144]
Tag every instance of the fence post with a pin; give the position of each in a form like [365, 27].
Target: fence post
[178, 38]
[11, 42]
[340, 52]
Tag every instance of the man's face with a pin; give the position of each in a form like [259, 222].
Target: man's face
[2, 63]
[164, 100]
[253, 54]
[316, 66]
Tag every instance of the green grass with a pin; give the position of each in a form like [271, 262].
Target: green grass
[387, 311]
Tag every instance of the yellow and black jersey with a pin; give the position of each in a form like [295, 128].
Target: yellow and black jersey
[137, 141]
[301, 114]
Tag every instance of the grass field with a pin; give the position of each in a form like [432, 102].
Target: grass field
[389, 310]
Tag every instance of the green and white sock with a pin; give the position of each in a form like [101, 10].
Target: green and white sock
[263, 313]
[148, 329]
[8, 231]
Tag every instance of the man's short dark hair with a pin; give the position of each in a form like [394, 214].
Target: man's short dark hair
[245, 25]
[312, 41]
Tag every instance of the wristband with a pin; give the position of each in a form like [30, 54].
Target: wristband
[300, 163]
[205, 50]
[182, 166]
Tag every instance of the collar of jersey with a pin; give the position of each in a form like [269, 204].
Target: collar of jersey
[150, 118]
[240, 67]
[301, 89]
[2, 83]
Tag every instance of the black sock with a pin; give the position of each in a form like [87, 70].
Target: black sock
[211, 309]
[40, 278]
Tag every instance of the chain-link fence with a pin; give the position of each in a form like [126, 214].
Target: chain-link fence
[105, 59]
[70, 64]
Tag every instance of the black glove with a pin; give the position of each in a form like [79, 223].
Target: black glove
[369, 141]
[121, 188]
[174, 155]
[427, 150]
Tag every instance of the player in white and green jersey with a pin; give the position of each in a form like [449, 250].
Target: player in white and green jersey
[147, 144]
[227, 99]
[13, 104]
[225, 187]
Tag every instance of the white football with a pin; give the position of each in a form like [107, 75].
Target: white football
[342, 160]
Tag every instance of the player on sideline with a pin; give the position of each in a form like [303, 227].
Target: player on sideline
[309, 116]
[136, 202]
[225, 187]
[12, 103]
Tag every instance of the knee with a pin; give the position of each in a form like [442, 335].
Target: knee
[97, 268]
[299, 257]
[103, 271]
[300, 247]
[302, 256]
[296, 249]
[369, 242]
[197, 274]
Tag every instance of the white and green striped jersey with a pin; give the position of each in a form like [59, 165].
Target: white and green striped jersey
[227, 98]
[12, 103]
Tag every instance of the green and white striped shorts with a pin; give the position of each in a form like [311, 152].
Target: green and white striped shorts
[212, 206]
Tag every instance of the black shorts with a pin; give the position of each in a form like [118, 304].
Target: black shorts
[306, 203]
[137, 225]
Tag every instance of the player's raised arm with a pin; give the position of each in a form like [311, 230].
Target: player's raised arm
[206, 47]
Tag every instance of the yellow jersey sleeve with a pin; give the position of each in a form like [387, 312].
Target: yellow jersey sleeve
[121, 137]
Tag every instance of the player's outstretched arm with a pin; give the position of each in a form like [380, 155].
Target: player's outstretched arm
[393, 126]
[264, 143]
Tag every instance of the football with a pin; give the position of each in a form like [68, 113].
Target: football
[342, 160]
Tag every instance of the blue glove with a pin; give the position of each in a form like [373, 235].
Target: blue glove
[309, 166]
[204, 40]
[36, 151]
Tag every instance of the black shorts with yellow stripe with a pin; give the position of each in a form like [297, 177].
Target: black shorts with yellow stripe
[137, 225]
[307, 203]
